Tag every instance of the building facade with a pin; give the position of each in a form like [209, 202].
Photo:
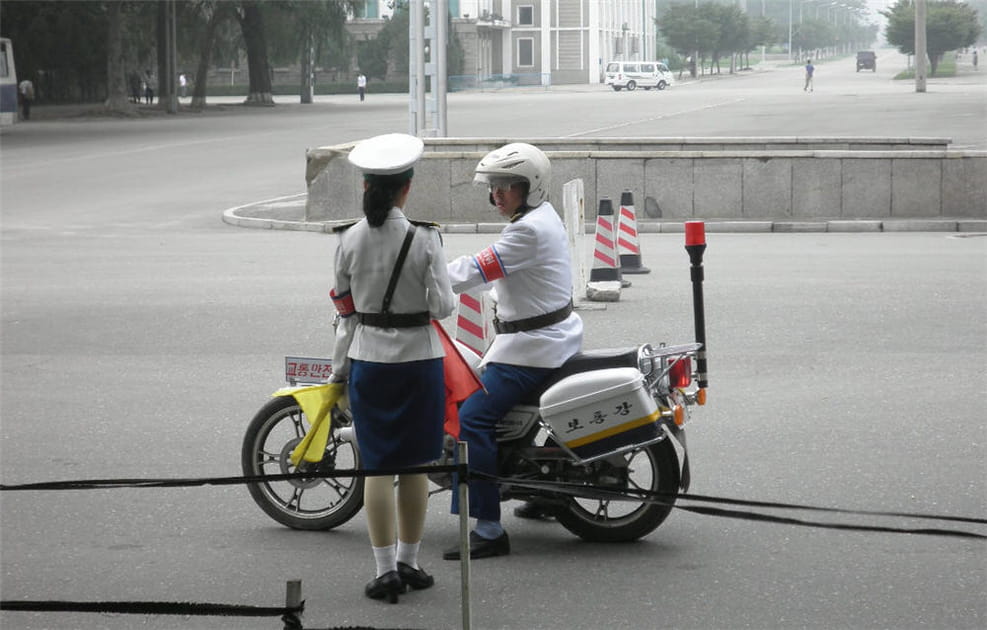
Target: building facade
[542, 41]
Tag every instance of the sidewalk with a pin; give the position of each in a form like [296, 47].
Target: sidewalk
[288, 213]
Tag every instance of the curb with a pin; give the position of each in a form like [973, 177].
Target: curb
[281, 213]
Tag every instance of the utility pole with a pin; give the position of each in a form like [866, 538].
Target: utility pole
[172, 62]
[427, 40]
[920, 48]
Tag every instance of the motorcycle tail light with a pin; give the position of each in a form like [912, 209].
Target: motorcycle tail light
[680, 373]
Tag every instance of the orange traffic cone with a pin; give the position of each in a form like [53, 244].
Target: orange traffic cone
[604, 276]
[628, 244]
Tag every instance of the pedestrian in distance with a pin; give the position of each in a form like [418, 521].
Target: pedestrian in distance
[135, 86]
[25, 94]
[148, 88]
[391, 281]
[974, 58]
[537, 331]
[361, 86]
[183, 84]
[809, 71]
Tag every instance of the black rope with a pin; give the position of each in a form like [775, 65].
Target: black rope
[98, 484]
[559, 487]
[651, 497]
[154, 608]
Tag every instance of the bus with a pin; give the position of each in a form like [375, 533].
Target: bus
[8, 83]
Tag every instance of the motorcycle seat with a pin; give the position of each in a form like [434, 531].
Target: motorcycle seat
[586, 361]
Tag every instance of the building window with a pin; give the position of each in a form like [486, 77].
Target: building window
[526, 15]
[367, 9]
[526, 52]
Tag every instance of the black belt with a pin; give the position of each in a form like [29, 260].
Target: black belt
[533, 323]
[394, 320]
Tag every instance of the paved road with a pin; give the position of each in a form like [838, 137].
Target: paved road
[140, 333]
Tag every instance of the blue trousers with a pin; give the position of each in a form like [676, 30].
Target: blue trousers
[505, 386]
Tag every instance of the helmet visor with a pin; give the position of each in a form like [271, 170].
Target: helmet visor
[497, 182]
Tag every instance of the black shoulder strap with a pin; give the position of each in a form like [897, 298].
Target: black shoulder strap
[405, 246]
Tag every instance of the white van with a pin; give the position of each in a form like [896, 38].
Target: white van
[631, 74]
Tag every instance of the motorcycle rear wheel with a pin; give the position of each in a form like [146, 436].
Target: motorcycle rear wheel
[315, 503]
[655, 469]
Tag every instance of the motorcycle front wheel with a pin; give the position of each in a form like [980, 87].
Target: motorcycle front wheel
[654, 468]
[318, 502]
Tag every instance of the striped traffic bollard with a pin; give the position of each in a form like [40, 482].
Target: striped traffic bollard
[628, 244]
[471, 326]
[604, 276]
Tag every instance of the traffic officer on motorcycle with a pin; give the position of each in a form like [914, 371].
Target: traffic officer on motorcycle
[529, 270]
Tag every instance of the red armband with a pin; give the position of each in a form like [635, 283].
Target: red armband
[489, 264]
[343, 303]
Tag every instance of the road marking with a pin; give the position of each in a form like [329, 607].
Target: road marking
[653, 118]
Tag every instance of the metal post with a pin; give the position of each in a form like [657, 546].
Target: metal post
[293, 599]
[920, 45]
[464, 536]
[416, 70]
[441, 17]
[695, 244]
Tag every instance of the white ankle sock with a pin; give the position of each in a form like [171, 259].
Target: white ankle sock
[386, 559]
[408, 553]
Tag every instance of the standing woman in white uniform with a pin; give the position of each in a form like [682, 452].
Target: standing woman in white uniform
[390, 356]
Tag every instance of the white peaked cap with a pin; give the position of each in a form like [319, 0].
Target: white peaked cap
[389, 154]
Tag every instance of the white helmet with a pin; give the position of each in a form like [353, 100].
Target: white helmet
[517, 161]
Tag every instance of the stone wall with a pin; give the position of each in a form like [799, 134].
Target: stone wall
[692, 178]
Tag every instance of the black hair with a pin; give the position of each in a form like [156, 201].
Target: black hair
[381, 193]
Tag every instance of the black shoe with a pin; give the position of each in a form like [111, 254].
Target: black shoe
[415, 578]
[481, 547]
[387, 586]
[535, 511]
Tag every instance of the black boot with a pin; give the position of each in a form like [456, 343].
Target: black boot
[387, 586]
[535, 510]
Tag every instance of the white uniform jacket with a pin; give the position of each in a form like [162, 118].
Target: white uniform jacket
[365, 259]
[531, 274]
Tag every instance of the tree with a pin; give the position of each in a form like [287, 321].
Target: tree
[688, 31]
[949, 26]
[251, 20]
[116, 59]
[216, 14]
[389, 48]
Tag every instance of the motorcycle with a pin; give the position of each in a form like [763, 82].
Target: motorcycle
[595, 445]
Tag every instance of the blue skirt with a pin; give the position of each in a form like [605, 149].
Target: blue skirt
[398, 411]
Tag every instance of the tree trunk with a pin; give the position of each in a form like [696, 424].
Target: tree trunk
[307, 87]
[219, 14]
[252, 25]
[116, 61]
[161, 34]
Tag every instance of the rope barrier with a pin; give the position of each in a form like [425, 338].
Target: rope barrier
[291, 614]
[152, 608]
[647, 496]
[559, 487]
[100, 484]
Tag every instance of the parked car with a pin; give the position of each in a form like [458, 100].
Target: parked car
[631, 74]
[866, 60]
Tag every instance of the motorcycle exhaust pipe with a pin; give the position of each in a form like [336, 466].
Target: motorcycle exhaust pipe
[695, 245]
